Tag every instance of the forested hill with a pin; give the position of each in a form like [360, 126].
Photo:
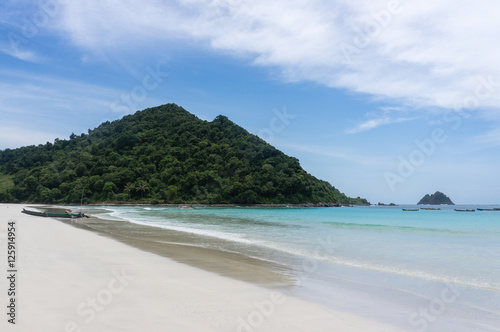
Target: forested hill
[161, 155]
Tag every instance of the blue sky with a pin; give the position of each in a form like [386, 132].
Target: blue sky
[388, 100]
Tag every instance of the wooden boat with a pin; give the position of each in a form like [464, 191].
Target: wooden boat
[55, 215]
[465, 210]
[495, 209]
[431, 209]
[411, 209]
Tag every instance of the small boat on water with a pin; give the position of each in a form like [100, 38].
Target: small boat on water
[431, 209]
[466, 210]
[411, 209]
[494, 209]
[55, 215]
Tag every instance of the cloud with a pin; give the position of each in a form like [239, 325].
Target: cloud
[38, 108]
[420, 54]
[487, 140]
[19, 88]
[374, 123]
[25, 55]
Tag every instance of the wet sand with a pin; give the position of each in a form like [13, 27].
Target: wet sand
[188, 249]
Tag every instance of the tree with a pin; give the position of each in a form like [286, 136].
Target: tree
[46, 196]
[248, 197]
[109, 190]
[31, 184]
[141, 187]
[172, 193]
[128, 188]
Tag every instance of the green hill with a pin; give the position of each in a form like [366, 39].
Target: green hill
[161, 155]
[438, 198]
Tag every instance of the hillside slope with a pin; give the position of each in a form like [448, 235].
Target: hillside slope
[161, 155]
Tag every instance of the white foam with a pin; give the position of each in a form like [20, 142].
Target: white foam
[190, 230]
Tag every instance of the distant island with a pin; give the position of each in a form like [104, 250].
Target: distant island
[438, 198]
[383, 204]
[162, 155]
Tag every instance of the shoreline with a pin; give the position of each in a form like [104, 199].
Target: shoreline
[63, 269]
[266, 205]
[217, 205]
[179, 246]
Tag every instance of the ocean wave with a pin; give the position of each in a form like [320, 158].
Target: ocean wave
[185, 229]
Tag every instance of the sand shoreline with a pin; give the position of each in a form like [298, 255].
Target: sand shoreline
[72, 280]
[181, 247]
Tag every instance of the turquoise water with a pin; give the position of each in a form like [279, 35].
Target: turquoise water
[378, 261]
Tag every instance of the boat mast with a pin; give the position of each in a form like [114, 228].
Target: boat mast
[81, 202]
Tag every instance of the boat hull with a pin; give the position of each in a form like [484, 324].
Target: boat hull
[53, 215]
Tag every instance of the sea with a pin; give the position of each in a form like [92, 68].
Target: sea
[426, 270]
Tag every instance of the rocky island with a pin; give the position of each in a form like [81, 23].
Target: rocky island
[438, 198]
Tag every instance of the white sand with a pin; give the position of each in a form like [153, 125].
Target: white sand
[70, 279]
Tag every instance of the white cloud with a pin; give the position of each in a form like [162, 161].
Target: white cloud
[374, 123]
[422, 54]
[38, 108]
[24, 55]
[488, 140]
[19, 89]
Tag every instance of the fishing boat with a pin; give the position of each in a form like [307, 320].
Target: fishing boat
[431, 209]
[411, 209]
[466, 210]
[55, 215]
[495, 209]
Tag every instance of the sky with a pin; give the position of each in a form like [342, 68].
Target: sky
[385, 99]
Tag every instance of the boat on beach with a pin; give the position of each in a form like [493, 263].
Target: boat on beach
[55, 215]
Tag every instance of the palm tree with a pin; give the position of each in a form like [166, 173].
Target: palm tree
[142, 187]
[129, 187]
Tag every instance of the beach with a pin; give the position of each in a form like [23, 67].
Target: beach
[70, 279]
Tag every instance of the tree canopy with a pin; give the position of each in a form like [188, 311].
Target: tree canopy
[161, 155]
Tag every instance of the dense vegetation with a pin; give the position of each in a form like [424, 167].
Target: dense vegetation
[437, 198]
[160, 155]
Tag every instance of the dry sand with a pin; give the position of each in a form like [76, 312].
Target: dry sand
[69, 279]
